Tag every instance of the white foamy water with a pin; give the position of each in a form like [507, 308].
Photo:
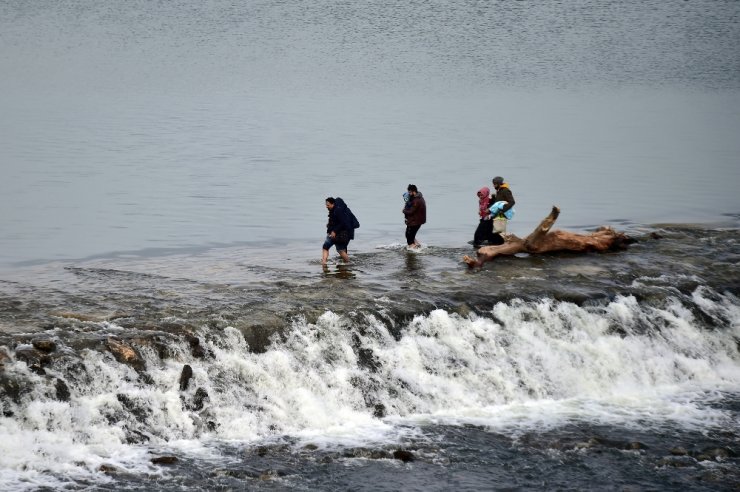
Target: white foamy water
[537, 365]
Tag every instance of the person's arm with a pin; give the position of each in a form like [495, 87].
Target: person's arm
[509, 199]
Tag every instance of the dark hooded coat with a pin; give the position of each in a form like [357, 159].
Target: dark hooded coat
[341, 219]
[416, 210]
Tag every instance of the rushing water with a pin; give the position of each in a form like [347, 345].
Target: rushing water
[164, 168]
[571, 371]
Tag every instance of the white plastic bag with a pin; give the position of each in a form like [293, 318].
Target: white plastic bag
[499, 224]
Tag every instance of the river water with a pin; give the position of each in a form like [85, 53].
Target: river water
[164, 169]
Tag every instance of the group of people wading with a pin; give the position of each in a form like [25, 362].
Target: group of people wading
[494, 210]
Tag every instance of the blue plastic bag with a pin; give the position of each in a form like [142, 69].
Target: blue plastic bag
[496, 209]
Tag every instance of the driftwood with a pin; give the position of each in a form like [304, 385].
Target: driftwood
[543, 240]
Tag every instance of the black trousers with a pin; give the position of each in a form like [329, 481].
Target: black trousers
[484, 233]
[411, 233]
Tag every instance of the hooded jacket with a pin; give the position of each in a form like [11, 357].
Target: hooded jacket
[484, 201]
[341, 218]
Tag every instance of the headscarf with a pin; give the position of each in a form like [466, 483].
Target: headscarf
[484, 200]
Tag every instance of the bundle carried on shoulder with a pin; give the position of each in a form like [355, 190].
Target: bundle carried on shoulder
[346, 216]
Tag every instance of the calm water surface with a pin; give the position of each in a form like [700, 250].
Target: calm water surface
[137, 126]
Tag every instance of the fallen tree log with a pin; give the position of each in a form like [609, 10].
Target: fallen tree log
[545, 240]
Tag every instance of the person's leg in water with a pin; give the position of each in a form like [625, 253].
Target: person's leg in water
[342, 250]
[328, 243]
[344, 255]
[482, 232]
[416, 244]
[411, 241]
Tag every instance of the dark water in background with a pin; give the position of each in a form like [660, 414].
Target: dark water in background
[164, 167]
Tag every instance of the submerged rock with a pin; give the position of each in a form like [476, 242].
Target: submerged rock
[240, 474]
[258, 337]
[403, 455]
[44, 345]
[271, 474]
[4, 357]
[370, 454]
[159, 345]
[200, 398]
[137, 407]
[366, 358]
[198, 402]
[716, 454]
[677, 462]
[270, 450]
[109, 469]
[125, 354]
[34, 359]
[591, 443]
[12, 388]
[185, 375]
[62, 390]
[164, 460]
[195, 347]
[635, 446]
[720, 453]
[601, 442]
[134, 436]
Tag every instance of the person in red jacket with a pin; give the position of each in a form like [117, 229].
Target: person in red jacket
[484, 234]
[415, 212]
